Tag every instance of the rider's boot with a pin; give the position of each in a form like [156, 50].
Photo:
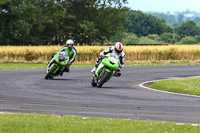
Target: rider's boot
[65, 70]
[117, 73]
[98, 60]
[93, 70]
[61, 73]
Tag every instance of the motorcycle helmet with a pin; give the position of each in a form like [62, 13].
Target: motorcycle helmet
[118, 47]
[70, 43]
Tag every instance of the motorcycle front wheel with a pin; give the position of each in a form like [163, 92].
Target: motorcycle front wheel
[48, 75]
[104, 76]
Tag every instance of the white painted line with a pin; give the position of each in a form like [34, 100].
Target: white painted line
[142, 85]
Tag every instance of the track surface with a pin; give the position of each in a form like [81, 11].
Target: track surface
[26, 91]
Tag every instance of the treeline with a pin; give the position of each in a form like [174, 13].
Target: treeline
[177, 18]
[186, 33]
[147, 29]
[24, 22]
[48, 22]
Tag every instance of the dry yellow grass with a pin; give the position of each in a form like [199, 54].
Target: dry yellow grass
[90, 53]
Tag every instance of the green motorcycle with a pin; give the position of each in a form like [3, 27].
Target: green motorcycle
[106, 69]
[57, 65]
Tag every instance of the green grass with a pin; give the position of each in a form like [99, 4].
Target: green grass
[19, 123]
[162, 63]
[185, 86]
[42, 65]
[35, 65]
[21, 65]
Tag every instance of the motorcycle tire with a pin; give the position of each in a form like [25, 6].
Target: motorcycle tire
[93, 83]
[48, 75]
[105, 76]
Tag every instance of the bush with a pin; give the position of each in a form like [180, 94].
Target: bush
[188, 40]
[153, 37]
[168, 38]
[130, 39]
[146, 40]
[197, 38]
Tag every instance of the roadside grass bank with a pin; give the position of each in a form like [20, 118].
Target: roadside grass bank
[17, 65]
[32, 123]
[184, 86]
[36, 65]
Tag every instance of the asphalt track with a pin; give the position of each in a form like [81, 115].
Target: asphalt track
[26, 91]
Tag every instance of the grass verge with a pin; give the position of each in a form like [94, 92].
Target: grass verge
[19, 123]
[43, 65]
[185, 86]
[35, 65]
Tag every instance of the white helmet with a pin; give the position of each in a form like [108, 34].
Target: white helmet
[70, 42]
[118, 47]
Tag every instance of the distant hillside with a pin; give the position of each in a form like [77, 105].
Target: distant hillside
[177, 18]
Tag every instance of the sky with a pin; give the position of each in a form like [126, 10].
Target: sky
[164, 5]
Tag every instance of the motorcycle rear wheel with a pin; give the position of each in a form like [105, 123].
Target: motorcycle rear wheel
[93, 83]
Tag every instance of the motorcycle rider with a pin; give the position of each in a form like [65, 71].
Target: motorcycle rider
[71, 50]
[118, 50]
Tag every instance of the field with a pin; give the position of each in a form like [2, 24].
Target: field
[42, 54]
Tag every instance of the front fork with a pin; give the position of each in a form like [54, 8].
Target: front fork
[96, 78]
[49, 64]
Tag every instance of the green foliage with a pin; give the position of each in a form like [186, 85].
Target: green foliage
[170, 38]
[118, 37]
[153, 37]
[1, 38]
[166, 37]
[144, 24]
[169, 18]
[188, 40]
[17, 19]
[41, 22]
[146, 40]
[188, 28]
[130, 39]
[53, 21]
[197, 20]
[197, 38]
[177, 18]
[110, 21]
[180, 18]
[88, 32]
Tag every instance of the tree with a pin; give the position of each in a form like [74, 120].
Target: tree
[180, 18]
[143, 24]
[169, 19]
[197, 20]
[153, 37]
[16, 23]
[146, 40]
[53, 21]
[130, 39]
[96, 20]
[188, 40]
[169, 38]
[188, 28]
[50, 20]
[19, 16]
